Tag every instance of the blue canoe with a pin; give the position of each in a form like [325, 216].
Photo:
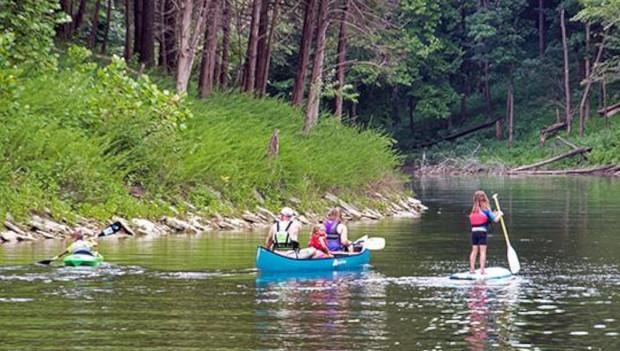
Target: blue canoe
[269, 261]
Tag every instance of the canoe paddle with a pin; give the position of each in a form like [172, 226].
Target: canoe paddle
[513, 259]
[371, 243]
[107, 231]
[374, 243]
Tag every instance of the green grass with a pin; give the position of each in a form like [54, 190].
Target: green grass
[76, 140]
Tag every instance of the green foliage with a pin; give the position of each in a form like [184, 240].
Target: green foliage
[79, 137]
[31, 24]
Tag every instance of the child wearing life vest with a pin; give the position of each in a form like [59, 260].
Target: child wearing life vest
[479, 218]
[318, 241]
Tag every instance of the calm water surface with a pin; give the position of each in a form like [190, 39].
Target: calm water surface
[202, 292]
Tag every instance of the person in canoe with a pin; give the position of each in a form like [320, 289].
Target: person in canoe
[318, 241]
[480, 218]
[337, 232]
[283, 236]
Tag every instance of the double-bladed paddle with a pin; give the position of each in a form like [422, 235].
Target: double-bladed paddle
[513, 259]
[107, 231]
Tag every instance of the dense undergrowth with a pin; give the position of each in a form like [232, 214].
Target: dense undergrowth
[80, 139]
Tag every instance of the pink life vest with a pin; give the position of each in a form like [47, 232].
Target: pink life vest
[478, 219]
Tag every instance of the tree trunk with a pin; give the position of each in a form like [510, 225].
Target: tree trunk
[138, 6]
[566, 76]
[394, 101]
[267, 64]
[63, 31]
[92, 41]
[412, 105]
[189, 40]
[127, 53]
[169, 38]
[304, 53]
[316, 83]
[588, 69]
[604, 91]
[510, 112]
[541, 28]
[209, 52]
[79, 17]
[487, 90]
[342, 55]
[225, 44]
[261, 56]
[584, 108]
[147, 38]
[104, 46]
[249, 80]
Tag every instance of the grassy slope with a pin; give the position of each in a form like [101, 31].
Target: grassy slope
[78, 139]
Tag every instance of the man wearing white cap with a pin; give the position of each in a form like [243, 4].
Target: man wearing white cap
[284, 235]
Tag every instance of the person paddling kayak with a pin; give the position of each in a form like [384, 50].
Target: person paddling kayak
[479, 218]
[79, 246]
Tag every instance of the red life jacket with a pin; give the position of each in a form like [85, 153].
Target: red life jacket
[478, 219]
[316, 242]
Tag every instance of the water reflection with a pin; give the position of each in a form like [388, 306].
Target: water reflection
[330, 310]
[477, 304]
[491, 314]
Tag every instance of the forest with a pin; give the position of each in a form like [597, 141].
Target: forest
[367, 84]
[419, 70]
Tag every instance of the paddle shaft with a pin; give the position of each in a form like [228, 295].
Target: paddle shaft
[501, 221]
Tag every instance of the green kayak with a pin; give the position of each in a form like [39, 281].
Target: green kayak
[78, 260]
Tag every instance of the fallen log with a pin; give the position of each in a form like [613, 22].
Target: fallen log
[552, 129]
[571, 145]
[602, 169]
[610, 110]
[571, 153]
[457, 135]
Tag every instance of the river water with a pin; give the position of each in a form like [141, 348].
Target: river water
[202, 291]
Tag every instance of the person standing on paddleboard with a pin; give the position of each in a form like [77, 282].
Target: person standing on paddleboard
[479, 218]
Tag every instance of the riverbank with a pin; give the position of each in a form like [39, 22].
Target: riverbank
[45, 226]
[460, 167]
[83, 143]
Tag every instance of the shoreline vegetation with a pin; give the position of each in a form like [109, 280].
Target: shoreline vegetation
[84, 144]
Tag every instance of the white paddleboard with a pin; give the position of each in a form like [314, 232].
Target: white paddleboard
[489, 273]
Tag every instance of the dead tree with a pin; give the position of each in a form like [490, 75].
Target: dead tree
[191, 32]
[566, 76]
[342, 54]
[209, 52]
[249, 77]
[316, 80]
